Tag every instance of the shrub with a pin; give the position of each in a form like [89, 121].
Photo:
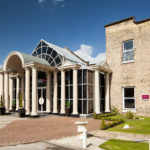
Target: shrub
[68, 104]
[114, 110]
[129, 115]
[112, 124]
[13, 103]
[95, 116]
[103, 125]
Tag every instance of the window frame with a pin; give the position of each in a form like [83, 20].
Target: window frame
[123, 99]
[125, 51]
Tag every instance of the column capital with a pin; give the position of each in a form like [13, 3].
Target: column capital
[27, 68]
[48, 72]
[34, 67]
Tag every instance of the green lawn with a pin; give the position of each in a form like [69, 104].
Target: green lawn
[114, 144]
[137, 126]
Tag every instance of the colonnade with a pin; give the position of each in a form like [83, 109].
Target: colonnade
[6, 89]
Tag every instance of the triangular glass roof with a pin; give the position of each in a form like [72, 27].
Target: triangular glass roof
[54, 54]
[44, 51]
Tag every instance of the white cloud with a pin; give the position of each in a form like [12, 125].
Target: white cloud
[53, 1]
[40, 1]
[86, 51]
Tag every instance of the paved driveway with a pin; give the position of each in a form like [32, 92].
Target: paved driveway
[41, 129]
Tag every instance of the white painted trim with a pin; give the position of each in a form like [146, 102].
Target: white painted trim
[12, 54]
[124, 51]
[123, 102]
[125, 62]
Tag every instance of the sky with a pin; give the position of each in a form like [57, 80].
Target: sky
[76, 24]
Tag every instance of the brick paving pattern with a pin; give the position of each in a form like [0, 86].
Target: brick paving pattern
[41, 129]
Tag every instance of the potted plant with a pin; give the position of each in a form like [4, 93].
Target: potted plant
[2, 108]
[21, 109]
[13, 106]
[68, 104]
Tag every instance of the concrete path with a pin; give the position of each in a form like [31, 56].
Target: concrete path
[7, 119]
[35, 146]
[76, 143]
[68, 143]
[118, 135]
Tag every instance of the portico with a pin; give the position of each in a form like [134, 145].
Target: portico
[56, 75]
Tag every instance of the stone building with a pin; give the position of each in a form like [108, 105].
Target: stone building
[128, 56]
[54, 75]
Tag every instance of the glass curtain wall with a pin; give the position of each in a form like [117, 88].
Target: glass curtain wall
[102, 91]
[52, 89]
[69, 87]
[14, 89]
[59, 91]
[85, 91]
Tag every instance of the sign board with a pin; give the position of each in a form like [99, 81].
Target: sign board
[145, 97]
[41, 100]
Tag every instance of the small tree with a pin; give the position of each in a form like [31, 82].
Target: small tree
[13, 103]
[1, 101]
[68, 104]
[20, 99]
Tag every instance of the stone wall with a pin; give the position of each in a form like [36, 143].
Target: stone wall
[135, 74]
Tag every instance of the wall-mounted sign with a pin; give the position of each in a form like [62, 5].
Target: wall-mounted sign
[145, 97]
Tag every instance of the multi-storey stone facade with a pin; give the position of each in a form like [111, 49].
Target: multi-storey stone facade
[133, 72]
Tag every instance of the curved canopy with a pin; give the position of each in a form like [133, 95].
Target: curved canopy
[16, 60]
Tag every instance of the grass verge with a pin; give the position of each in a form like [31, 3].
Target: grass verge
[115, 144]
[136, 126]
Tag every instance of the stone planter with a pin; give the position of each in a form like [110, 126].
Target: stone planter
[13, 108]
[67, 111]
[2, 110]
[21, 112]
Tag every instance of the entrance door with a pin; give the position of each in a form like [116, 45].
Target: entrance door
[42, 95]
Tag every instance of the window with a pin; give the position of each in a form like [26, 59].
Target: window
[129, 98]
[128, 51]
[45, 52]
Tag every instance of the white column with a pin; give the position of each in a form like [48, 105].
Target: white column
[75, 93]
[22, 90]
[55, 111]
[34, 91]
[2, 84]
[10, 92]
[27, 91]
[107, 96]
[97, 93]
[17, 93]
[62, 92]
[48, 93]
[6, 92]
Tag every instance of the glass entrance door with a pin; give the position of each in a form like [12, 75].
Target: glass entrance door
[42, 95]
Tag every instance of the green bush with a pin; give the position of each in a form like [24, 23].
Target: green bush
[95, 116]
[103, 125]
[129, 115]
[114, 110]
[13, 103]
[112, 124]
[68, 104]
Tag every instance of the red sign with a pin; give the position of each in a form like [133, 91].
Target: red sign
[145, 96]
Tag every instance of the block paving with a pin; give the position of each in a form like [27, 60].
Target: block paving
[42, 129]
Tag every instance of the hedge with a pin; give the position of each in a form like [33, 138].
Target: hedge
[103, 115]
[105, 126]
